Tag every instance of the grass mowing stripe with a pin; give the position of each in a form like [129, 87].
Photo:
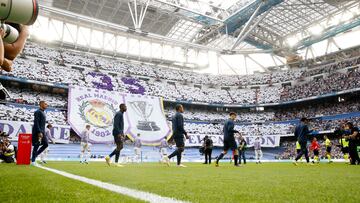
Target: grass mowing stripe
[268, 182]
[146, 196]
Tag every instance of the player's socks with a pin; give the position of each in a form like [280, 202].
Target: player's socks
[346, 157]
[112, 153]
[117, 155]
[329, 158]
[178, 158]
[219, 157]
[316, 159]
[236, 158]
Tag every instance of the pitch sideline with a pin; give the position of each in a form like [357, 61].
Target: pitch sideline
[137, 194]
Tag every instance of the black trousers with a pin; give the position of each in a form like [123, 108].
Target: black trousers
[242, 156]
[6, 159]
[36, 151]
[303, 151]
[354, 155]
[208, 156]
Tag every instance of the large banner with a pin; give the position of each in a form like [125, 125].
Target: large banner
[60, 133]
[218, 140]
[144, 116]
[147, 118]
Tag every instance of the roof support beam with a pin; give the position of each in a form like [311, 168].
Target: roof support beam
[135, 16]
[244, 32]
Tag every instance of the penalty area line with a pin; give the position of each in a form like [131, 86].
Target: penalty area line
[137, 194]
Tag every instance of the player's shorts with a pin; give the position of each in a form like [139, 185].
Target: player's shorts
[298, 151]
[118, 140]
[85, 146]
[345, 150]
[137, 150]
[179, 142]
[328, 149]
[316, 152]
[230, 144]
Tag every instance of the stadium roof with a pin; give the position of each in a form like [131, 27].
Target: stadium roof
[219, 24]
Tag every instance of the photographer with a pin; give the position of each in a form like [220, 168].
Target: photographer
[8, 52]
[242, 148]
[7, 151]
[208, 145]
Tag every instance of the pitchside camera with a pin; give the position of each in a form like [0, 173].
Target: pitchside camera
[17, 12]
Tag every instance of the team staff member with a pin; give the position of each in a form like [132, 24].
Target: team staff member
[328, 145]
[118, 133]
[229, 139]
[38, 132]
[353, 138]
[178, 135]
[8, 52]
[242, 148]
[208, 143]
[301, 133]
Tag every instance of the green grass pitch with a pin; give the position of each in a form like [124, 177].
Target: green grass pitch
[268, 182]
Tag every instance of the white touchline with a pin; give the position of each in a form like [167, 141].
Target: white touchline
[146, 196]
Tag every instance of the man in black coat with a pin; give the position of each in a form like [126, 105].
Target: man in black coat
[38, 132]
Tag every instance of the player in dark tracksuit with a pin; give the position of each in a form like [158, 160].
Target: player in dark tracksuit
[229, 139]
[354, 140]
[178, 135]
[301, 133]
[38, 132]
[118, 133]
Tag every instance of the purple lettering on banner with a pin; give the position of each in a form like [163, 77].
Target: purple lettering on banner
[53, 131]
[64, 133]
[191, 139]
[9, 131]
[199, 139]
[21, 129]
[220, 140]
[270, 139]
[133, 85]
[262, 140]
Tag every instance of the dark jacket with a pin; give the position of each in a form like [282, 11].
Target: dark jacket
[302, 132]
[118, 125]
[178, 126]
[229, 130]
[39, 123]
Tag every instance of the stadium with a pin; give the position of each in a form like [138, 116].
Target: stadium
[179, 100]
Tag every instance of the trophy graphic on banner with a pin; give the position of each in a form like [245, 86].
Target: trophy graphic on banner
[144, 110]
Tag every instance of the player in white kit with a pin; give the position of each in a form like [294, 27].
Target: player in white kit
[258, 152]
[85, 145]
[44, 154]
[137, 148]
[163, 150]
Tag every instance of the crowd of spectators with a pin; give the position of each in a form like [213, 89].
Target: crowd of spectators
[74, 68]
[319, 109]
[333, 83]
[26, 114]
[28, 97]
